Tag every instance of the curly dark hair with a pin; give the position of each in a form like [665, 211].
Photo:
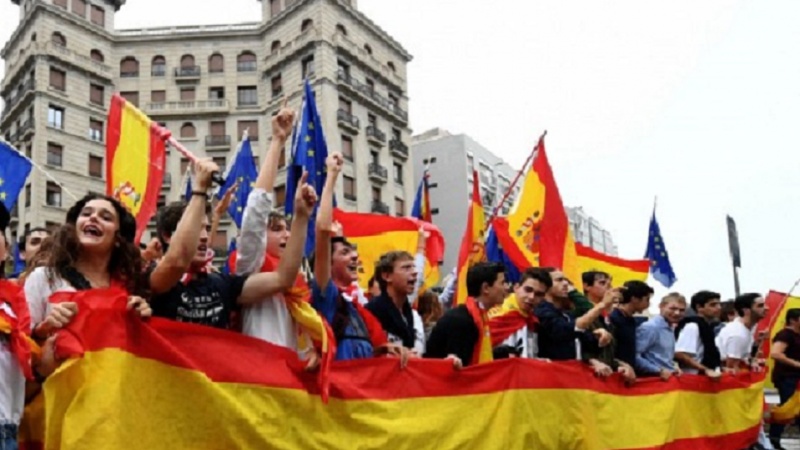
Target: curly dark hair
[125, 264]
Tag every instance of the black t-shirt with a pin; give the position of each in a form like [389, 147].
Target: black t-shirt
[624, 331]
[792, 341]
[208, 299]
[454, 334]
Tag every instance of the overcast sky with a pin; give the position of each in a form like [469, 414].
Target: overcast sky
[693, 102]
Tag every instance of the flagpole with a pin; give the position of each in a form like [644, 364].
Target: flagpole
[514, 182]
[216, 176]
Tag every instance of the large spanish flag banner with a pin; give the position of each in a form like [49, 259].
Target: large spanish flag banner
[538, 232]
[473, 243]
[168, 385]
[135, 160]
[778, 304]
[620, 270]
[376, 234]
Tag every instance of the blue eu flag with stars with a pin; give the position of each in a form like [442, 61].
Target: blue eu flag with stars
[244, 171]
[660, 267]
[14, 170]
[309, 152]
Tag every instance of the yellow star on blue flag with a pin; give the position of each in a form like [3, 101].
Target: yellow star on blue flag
[660, 266]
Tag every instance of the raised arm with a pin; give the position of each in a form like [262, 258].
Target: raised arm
[183, 242]
[324, 226]
[281, 129]
[263, 285]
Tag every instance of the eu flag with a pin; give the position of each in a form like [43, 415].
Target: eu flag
[495, 254]
[19, 264]
[660, 267]
[244, 171]
[188, 192]
[14, 170]
[309, 152]
[422, 202]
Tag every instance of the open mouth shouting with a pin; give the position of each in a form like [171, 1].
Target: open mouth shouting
[92, 231]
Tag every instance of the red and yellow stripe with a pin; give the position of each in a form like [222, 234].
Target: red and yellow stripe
[620, 270]
[473, 242]
[168, 385]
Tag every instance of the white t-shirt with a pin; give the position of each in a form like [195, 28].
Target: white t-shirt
[529, 342]
[38, 290]
[689, 342]
[271, 321]
[12, 382]
[735, 340]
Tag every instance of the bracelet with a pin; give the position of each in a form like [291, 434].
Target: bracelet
[200, 194]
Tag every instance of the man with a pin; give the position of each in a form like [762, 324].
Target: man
[31, 242]
[513, 324]
[183, 288]
[655, 339]
[595, 285]
[462, 334]
[786, 373]
[634, 299]
[397, 276]
[695, 349]
[735, 341]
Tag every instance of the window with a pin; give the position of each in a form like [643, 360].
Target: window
[97, 55]
[58, 39]
[61, 3]
[341, 29]
[79, 7]
[217, 128]
[160, 203]
[396, 136]
[53, 194]
[216, 93]
[346, 105]
[246, 62]
[398, 173]
[434, 211]
[220, 161]
[391, 66]
[129, 67]
[247, 95]
[58, 79]
[252, 129]
[159, 66]
[306, 25]
[277, 85]
[399, 207]
[184, 165]
[95, 166]
[308, 66]
[55, 155]
[29, 151]
[158, 96]
[27, 196]
[96, 130]
[347, 147]
[393, 100]
[96, 94]
[274, 7]
[349, 187]
[188, 130]
[132, 97]
[368, 49]
[376, 194]
[280, 196]
[187, 62]
[187, 94]
[216, 63]
[375, 157]
[276, 45]
[98, 16]
[344, 70]
[370, 85]
[372, 120]
[55, 117]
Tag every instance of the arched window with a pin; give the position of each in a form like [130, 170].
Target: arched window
[307, 23]
[59, 39]
[216, 63]
[276, 45]
[129, 67]
[187, 62]
[188, 130]
[246, 62]
[341, 29]
[368, 49]
[97, 55]
[158, 67]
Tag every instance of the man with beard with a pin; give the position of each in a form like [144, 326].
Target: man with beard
[735, 341]
[513, 324]
[695, 349]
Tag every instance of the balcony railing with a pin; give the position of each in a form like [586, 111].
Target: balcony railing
[368, 92]
[398, 148]
[187, 72]
[25, 129]
[158, 71]
[378, 173]
[348, 120]
[375, 134]
[194, 106]
[379, 207]
[246, 66]
[167, 180]
[218, 141]
[26, 87]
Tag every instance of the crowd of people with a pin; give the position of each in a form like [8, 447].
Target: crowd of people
[543, 315]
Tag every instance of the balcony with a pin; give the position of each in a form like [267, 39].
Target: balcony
[378, 207]
[368, 93]
[378, 173]
[166, 182]
[348, 121]
[349, 46]
[16, 99]
[375, 135]
[218, 142]
[188, 107]
[25, 130]
[313, 34]
[158, 70]
[398, 149]
[187, 73]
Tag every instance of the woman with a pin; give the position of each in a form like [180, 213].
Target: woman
[94, 249]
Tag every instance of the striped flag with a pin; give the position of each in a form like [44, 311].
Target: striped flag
[473, 248]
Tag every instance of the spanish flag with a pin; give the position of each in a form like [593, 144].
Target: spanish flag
[162, 384]
[135, 160]
[538, 232]
[778, 304]
[422, 202]
[376, 234]
[620, 270]
[473, 246]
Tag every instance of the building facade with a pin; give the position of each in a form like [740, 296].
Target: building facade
[207, 84]
[450, 160]
[588, 231]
